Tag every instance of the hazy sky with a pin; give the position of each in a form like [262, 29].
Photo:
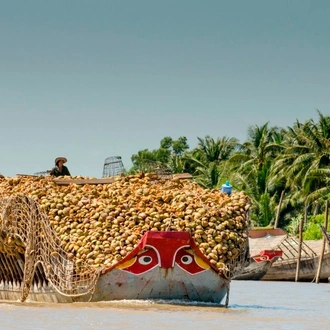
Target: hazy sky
[99, 78]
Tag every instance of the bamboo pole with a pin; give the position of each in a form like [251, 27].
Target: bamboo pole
[301, 226]
[318, 274]
[278, 210]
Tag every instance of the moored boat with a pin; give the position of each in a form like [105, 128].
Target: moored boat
[283, 265]
[285, 268]
[259, 265]
[263, 252]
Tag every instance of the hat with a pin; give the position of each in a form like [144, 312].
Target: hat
[60, 158]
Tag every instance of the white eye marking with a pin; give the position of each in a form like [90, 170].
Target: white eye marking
[145, 260]
[186, 259]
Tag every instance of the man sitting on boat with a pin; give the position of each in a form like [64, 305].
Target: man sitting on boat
[60, 169]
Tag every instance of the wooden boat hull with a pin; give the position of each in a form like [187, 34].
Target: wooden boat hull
[286, 270]
[165, 265]
[118, 285]
[259, 265]
[161, 283]
[254, 272]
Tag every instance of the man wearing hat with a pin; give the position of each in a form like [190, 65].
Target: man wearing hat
[60, 169]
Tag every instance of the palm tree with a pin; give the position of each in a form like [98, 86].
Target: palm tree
[210, 150]
[207, 162]
[305, 160]
[251, 170]
[208, 176]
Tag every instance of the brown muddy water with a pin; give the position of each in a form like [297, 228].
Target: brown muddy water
[252, 305]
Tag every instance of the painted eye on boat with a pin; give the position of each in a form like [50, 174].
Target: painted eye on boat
[145, 260]
[186, 259]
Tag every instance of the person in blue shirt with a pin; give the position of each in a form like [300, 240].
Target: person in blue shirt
[226, 188]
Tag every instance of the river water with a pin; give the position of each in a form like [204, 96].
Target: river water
[252, 305]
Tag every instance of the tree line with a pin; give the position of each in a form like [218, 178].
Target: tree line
[292, 161]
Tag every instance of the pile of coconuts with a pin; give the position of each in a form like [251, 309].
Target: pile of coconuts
[99, 224]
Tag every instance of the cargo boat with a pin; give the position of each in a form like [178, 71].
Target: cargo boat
[165, 265]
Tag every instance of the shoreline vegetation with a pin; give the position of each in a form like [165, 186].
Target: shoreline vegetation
[291, 162]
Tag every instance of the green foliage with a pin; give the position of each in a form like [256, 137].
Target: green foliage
[317, 219]
[293, 227]
[305, 159]
[266, 210]
[208, 161]
[209, 177]
[312, 231]
[168, 155]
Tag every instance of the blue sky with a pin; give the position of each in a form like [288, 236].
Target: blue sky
[93, 79]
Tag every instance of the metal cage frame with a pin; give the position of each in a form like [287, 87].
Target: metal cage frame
[113, 166]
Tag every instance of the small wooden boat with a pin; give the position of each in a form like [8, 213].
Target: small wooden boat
[284, 264]
[259, 265]
[263, 253]
[284, 269]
